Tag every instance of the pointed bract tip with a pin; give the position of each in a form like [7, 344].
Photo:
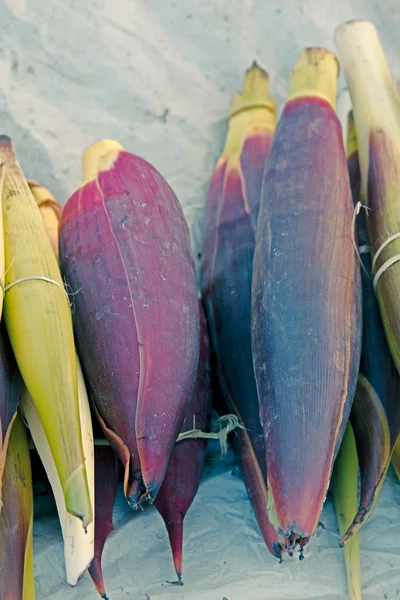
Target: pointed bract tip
[96, 573]
[278, 552]
[349, 534]
[147, 495]
[254, 72]
[179, 582]
[135, 493]
[256, 80]
[77, 499]
[255, 92]
[175, 533]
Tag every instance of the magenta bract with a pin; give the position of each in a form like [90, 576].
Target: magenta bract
[125, 252]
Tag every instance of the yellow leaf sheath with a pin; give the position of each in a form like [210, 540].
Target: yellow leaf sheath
[38, 320]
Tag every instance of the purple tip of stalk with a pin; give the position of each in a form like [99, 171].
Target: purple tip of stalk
[144, 497]
[175, 533]
[135, 494]
[278, 551]
[179, 582]
[150, 495]
[6, 141]
[96, 573]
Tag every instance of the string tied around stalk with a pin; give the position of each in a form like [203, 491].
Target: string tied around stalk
[223, 426]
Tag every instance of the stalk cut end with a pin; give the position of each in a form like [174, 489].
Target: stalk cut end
[92, 155]
[355, 28]
[361, 53]
[315, 74]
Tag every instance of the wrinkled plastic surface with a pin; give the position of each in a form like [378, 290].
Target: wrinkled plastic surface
[159, 76]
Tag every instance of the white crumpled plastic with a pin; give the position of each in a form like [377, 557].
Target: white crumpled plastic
[159, 76]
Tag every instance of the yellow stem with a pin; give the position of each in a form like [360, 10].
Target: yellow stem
[251, 109]
[345, 497]
[315, 74]
[351, 144]
[92, 155]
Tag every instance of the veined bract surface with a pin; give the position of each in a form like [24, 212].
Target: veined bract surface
[182, 478]
[227, 263]
[376, 109]
[375, 415]
[16, 520]
[124, 244]
[306, 299]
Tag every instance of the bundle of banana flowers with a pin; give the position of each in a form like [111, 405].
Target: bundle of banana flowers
[289, 277]
[277, 204]
[160, 361]
[299, 297]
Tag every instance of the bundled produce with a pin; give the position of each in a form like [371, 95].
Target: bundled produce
[227, 257]
[344, 487]
[38, 320]
[312, 379]
[375, 415]
[9, 397]
[184, 468]
[306, 299]
[16, 520]
[124, 244]
[106, 481]
[376, 107]
[78, 543]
